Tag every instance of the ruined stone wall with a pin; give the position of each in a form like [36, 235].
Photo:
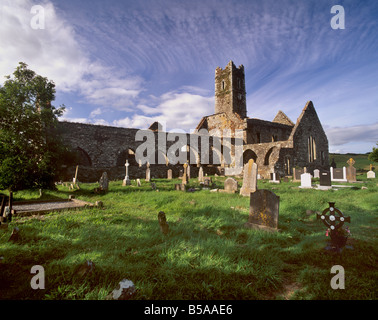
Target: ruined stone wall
[260, 131]
[308, 125]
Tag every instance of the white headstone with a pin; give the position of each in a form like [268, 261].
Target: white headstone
[316, 173]
[371, 174]
[305, 180]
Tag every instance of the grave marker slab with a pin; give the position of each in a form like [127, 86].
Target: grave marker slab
[249, 178]
[169, 174]
[370, 174]
[230, 185]
[316, 173]
[263, 210]
[305, 180]
[325, 178]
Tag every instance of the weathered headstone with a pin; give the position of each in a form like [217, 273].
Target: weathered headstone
[169, 174]
[325, 178]
[305, 180]
[104, 182]
[163, 222]
[148, 173]
[188, 171]
[249, 178]
[200, 174]
[297, 173]
[316, 173]
[351, 171]
[138, 182]
[263, 210]
[230, 185]
[180, 187]
[185, 175]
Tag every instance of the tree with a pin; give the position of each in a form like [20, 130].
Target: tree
[30, 148]
[373, 156]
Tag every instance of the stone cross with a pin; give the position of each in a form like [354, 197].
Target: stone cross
[126, 181]
[333, 221]
[249, 178]
[351, 171]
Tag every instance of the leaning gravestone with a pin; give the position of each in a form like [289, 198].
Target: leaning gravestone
[305, 180]
[325, 178]
[230, 185]
[263, 210]
[104, 182]
[249, 178]
[351, 171]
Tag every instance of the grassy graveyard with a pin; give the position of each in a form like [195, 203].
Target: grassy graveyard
[208, 253]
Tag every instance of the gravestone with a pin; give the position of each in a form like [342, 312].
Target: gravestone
[163, 222]
[370, 174]
[297, 173]
[325, 178]
[334, 222]
[207, 182]
[185, 174]
[230, 185]
[180, 187]
[274, 177]
[138, 182]
[263, 210]
[200, 174]
[104, 182]
[169, 174]
[316, 173]
[249, 178]
[305, 180]
[351, 171]
[148, 173]
[188, 171]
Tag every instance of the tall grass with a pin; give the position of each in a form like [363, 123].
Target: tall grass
[208, 254]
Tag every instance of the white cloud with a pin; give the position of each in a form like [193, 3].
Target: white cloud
[174, 110]
[55, 52]
[360, 133]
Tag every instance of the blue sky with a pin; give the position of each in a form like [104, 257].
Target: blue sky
[130, 63]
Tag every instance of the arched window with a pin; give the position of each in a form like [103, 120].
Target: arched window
[311, 149]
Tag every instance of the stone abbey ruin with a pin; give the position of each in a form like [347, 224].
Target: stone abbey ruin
[231, 139]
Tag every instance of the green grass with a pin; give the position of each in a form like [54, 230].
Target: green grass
[208, 253]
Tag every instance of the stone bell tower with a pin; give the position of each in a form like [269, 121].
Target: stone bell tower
[230, 95]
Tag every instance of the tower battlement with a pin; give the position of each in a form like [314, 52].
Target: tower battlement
[230, 94]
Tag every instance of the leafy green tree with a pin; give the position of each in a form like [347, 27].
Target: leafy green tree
[30, 148]
[373, 156]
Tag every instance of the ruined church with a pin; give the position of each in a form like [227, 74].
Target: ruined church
[276, 146]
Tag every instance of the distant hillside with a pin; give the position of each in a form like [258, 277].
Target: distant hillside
[362, 162]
